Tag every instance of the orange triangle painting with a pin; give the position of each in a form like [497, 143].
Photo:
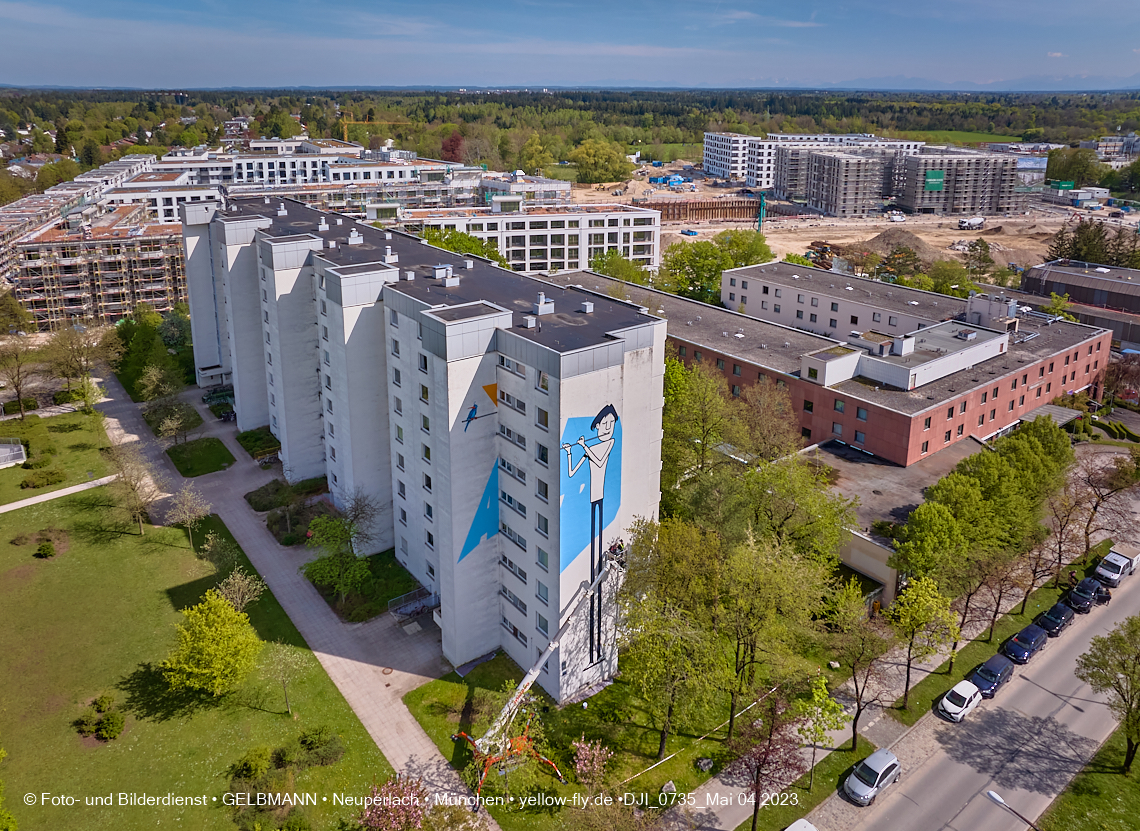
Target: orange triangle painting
[492, 391]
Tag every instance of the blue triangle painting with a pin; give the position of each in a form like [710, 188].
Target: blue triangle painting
[485, 524]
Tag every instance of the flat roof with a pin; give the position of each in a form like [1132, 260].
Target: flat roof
[758, 342]
[157, 176]
[942, 339]
[887, 296]
[567, 329]
[537, 210]
[883, 490]
[1090, 275]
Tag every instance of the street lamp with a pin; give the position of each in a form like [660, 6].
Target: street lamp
[994, 796]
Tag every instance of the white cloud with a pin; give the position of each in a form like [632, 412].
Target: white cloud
[1057, 55]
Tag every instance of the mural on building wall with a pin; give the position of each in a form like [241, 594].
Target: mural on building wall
[485, 523]
[590, 493]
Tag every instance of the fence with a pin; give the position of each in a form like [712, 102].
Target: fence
[12, 452]
[412, 604]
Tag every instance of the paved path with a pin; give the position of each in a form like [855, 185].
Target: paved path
[47, 497]
[373, 664]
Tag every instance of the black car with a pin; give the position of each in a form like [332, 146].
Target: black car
[1025, 644]
[991, 675]
[1082, 596]
[1056, 620]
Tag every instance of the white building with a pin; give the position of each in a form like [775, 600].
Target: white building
[762, 163]
[499, 417]
[726, 155]
[537, 239]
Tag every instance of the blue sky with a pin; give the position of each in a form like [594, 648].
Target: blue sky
[719, 43]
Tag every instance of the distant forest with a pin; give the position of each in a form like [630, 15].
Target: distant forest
[492, 128]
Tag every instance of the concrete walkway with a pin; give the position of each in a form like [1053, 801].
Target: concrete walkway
[373, 664]
[47, 497]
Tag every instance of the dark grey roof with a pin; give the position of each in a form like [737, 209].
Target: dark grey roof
[887, 296]
[566, 330]
[765, 344]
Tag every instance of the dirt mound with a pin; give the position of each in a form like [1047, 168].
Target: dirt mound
[890, 239]
[992, 232]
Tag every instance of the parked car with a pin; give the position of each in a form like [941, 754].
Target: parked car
[958, 703]
[1120, 562]
[1082, 596]
[1025, 644]
[1056, 620]
[871, 776]
[992, 675]
[688, 233]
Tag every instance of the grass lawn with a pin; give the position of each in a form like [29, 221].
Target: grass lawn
[194, 458]
[951, 136]
[389, 580]
[566, 172]
[614, 716]
[829, 775]
[668, 152]
[73, 442]
[259, 441]
[930, 689]
[98, 618]
[193, 418]
[1100, 797]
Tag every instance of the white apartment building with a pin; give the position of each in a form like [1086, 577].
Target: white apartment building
[511, 426]
[726, 155]
[537, 239]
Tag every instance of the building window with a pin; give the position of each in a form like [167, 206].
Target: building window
[861, 413]
[837, 428]
[946, 438]
[510, 627]
[1049, 386]
[543, 559]
[423, 394]
[427, 483]
[398, 405]
[925, 446]
[542, 454]
[1039, 392]
[1011, 406]
[426, 452]
[812, 318]
[962, 407]
[400, 490]
[543, 625]
[854, 320]
[732, 281]
[893, 321]
[996, 391]
[423, 362]
[1013, 384]
[926, 423]
[833, 323]
[839, 405]
[720, 363]
[431, 570]
[805, 432]
[808, 406]
[399, 461]
[736, 369]
[429, 538]
[403, 517]
[1021, 401]
[399, 434]
[513, 536]
[393, 315]
[732, 296]
[425, 424]
[799, 314]
[511, 502]
[876, 317]
[324, 333]
[542, 381]
[541, 418]
[813, 373]
[518, 473]
[815, 301]
[961, 429]
[860, 438]
[993, 414]
[949, 413]
[542, 591]
[682, 351]
[543, 525]
[985, 395]
[395, 347]
[542, 491]
[776, 308]
[510, 566]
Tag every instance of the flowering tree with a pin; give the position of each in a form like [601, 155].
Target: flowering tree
[590, 760]
[769, 753]
[400, 804]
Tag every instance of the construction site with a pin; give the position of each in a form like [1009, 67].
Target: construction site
[91, 267]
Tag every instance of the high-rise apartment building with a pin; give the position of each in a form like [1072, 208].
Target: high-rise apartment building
[954, 180]
[511, 426]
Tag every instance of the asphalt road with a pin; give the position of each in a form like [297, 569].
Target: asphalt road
[1026, 743]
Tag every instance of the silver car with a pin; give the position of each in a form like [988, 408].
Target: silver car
[871, 776]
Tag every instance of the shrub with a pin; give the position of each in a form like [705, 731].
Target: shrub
[111, 726]
[45, 551]
[221, 409]
[87, 723]
[104, 703]
[66, 397]
[322, 746]
[13, 407]
[269, 496]
[290, 539]
[296, 821]
[253, 765]
[258, 441]
[42, 479]
[38, 463]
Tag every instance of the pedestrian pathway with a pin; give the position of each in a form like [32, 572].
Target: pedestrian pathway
[373, 664]
[47, 497]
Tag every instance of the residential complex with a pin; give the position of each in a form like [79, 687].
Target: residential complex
[726, 155]
[952, 180]
[510, 427]
[538, 239]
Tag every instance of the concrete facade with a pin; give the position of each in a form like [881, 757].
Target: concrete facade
[944, 180]
[510, 440]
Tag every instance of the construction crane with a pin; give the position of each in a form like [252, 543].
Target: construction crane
[496, 747]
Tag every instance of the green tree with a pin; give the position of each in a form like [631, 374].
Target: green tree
[217, 647]
[978, 257]
[462, 243]
[931, 535]
[53, 174]
[1059, 305]
[342, 537]
[798, 259]
[598, 160]
[921, 618]
[534, 157]
[694, 269]
[613, 264]
[13, 316]
[20, 366]
[1074, 164]
[1112, 668]
[821, 715]
[743, 247]
[950, 278]
[901, 262]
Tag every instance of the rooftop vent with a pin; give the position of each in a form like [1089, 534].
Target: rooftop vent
[544, 305]
[332, 243]
[967, 334]
[355, 237]
[322, 225]
[587, 307]
[530, 321]
[469, 264]
[409, 275]
[388, 257]
[339, 221]
[281, 210]
[387, 235]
